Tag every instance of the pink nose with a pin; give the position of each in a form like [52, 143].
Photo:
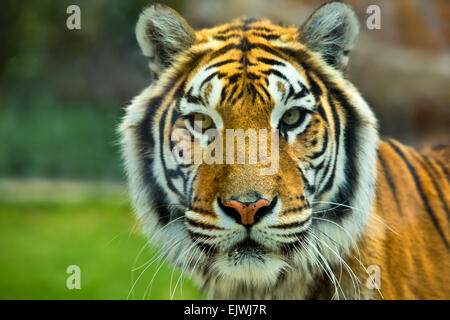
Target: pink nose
[247, 210]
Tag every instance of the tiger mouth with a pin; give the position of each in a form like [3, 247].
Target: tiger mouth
[251, 249]
[249, 245]
[247, 249]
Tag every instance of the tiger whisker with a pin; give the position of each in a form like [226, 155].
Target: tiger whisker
[327, 268]
[335, 281]
[370, 276]
[340, 263]
[160, 264]
[140, 275]
[181, 256]
[163, 254]
[354, 208]
[148, 242]
[341, 227]
[351, 272]
[148, 289]
[151, 260]
[184, 269]
[356, 246]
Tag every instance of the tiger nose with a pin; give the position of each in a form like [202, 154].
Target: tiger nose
[247, 213]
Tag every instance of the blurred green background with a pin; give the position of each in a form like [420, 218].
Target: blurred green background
[63, 197]
[47, 226]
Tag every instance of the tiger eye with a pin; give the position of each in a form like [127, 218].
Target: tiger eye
[201, 122]
[291, 117]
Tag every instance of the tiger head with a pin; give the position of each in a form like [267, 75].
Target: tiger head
[249, 213]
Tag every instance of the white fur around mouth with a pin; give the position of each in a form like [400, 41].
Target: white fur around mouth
[250, 268]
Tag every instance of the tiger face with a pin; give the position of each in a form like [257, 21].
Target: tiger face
[246, 140]
[235, 211]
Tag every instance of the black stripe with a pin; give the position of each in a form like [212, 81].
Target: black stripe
[322, 113]
[252, 76]
[346, 192]
[271, 62]
[267, 36]
[296, 95]
[203, 211]
[290, 248]
[337, 135]
[233, 78]
[168, 174]
[251, 90]
[296, 235]
[195, 235]
[231, 93]
[191, 64]
[300, 94]
[222, 96]
[265, 92]
[207, 249]
[433, 182]
[291, 92]
[232, 28]
[299, 55]
[244, 46]
[318, 167]
[223, 50]
[290, 225]
[277, 73]
[443, 167]
[240, 95]
[326, 168]
[324, 148]
[159, 196]
[430, 161]
[202, 225]
[226, 37]
[390, 181]
[147, 142]
[221, 63]
[161, 206]
[212, 75]
[173, 118]
[144, 128]
[418, 185]
[191, 190]
[194, 99]
[262, 29]
[315, 88]
[309, 187]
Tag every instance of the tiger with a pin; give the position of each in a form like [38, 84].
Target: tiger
[345, 215]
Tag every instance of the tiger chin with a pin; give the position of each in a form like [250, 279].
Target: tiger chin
[345, 215]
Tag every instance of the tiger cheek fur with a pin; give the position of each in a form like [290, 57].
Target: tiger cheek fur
[338, 197]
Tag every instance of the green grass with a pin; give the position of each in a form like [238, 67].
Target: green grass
[44, 228]
[56, 139]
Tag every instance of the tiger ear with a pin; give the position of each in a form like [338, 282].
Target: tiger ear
[332, 31]
[162, 34]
